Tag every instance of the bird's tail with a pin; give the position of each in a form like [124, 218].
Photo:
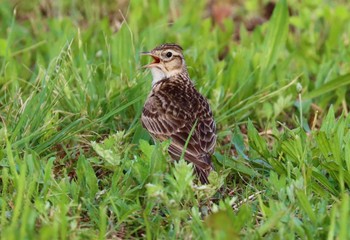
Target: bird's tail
[203, 173]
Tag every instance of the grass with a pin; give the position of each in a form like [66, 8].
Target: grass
[75, 162]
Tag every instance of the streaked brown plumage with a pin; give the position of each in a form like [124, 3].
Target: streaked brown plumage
[174, 106]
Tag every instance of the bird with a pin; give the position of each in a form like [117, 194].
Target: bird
[175, 109]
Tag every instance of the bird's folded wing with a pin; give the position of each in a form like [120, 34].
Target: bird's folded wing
[163, 124]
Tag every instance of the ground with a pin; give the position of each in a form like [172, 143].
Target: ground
[76, 163]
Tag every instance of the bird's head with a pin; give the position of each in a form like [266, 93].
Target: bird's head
[168, 61]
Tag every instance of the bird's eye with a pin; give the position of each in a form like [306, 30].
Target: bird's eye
[169, 54]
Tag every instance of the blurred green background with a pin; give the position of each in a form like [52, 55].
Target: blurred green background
[76, 162]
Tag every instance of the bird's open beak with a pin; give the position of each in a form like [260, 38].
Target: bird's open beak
[156, 60]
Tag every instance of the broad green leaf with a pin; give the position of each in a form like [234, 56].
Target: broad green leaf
[238, 142]
[344, 220]
[324, 145]
[240, 167]
[87, 178]
[256, 141]
[321, 179]
[107, 154]
[347, 152]
[221, 224]
[275, 39]
[329, 122]
[306, 206]
[146, 149]
[271, 222]
[4, 48]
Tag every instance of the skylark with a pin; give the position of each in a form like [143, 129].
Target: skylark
[175, 108]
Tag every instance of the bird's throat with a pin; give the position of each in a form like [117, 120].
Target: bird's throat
[157, 75]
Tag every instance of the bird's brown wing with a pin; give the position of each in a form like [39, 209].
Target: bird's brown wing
[167, 114]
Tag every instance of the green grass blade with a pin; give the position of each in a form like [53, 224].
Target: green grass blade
[332, 85]
[275, 39]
